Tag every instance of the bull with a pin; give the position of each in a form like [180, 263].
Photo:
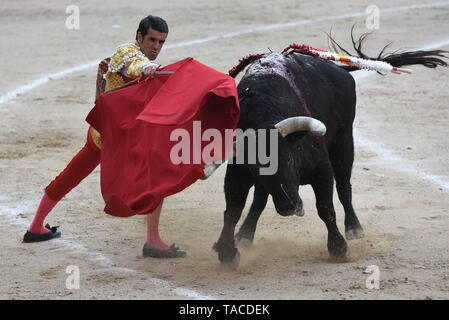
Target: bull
[302, 97]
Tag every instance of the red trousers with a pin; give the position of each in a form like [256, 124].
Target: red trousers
[86, 160]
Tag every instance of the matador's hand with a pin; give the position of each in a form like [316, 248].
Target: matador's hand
[149, 68]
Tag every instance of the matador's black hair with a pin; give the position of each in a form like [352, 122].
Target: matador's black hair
[153, 22]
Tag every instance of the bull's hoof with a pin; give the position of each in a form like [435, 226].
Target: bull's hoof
[338, 248]
[228, 256]
[300, 213]
[356, 233]
[234, 264]
[243, 243]
[341, 256]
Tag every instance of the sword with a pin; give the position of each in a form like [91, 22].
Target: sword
[136, 80]
[164, 72]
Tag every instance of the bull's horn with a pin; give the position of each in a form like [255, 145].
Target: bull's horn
[294, 124]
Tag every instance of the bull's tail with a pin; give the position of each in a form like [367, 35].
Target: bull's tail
[429, 59]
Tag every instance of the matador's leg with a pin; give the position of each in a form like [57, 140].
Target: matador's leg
[78, 168]
[153, 238]
[154, 246]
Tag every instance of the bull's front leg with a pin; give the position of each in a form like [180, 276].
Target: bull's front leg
[238, 181]
[245, 236]
[323, 186]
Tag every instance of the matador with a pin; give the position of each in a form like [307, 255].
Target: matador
[129, 62]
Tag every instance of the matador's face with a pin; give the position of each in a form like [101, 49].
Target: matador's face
[152, 43]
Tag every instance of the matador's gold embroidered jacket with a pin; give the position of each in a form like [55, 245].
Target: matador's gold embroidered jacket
[126, 64]
[128, 57]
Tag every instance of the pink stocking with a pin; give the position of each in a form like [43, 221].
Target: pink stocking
[153, 238]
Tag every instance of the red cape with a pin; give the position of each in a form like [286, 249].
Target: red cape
[135, 124]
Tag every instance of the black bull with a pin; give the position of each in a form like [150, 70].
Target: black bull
[279, 86]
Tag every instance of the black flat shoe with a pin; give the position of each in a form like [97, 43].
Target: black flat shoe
[173, 252]
[36, 237]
